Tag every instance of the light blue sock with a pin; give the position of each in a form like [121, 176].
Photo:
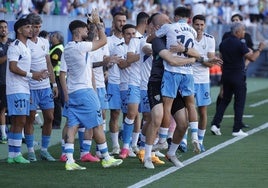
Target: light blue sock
[11, 148]
[104, 150]
[185, 137]
[17, 143]
[201, 135]
[86, 146]
[45, 142]
[142, 141]
[194, 130]
[127, 132]
[163, 134]
[81, 132]
[29, 140]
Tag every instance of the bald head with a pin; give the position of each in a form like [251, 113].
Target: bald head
[154, 23]
[160, 19]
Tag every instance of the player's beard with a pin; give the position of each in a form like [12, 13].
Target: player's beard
[3, 35]
[118, 29]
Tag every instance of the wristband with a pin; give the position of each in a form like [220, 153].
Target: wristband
[29, 74]
[55, 84]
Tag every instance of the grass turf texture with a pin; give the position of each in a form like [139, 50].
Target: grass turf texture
[242, 164]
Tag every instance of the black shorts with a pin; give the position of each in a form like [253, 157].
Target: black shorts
[3, 97]
[155, 97]
[154, 93]
[178, 104]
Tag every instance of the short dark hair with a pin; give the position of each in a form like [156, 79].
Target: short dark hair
[43, 34]
[237, 15]
[3, 21]
[199, 17]
[141, 17]
[76, 24]
[21, 22]
[119, 13]
[182, 12]
[127, 26]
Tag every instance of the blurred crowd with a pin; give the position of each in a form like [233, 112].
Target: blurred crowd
[216, 11]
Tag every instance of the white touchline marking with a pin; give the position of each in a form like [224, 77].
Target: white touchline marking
[195, 158]
[244, 116]
[259, 103]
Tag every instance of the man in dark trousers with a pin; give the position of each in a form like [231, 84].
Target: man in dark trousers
[248, 40]
[56, 40]
[4, 43]
[234, 52]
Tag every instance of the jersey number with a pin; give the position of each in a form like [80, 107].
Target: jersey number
[21, 103]
[189, 43]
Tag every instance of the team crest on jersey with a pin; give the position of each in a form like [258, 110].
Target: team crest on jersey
[157, 97]
[43, 47]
